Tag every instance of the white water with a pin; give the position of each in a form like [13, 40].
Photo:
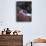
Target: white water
[39, 44]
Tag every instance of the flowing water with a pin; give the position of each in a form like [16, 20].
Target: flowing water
[39, 44]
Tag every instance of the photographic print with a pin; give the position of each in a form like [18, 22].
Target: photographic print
[39, 42]
[23, 11]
